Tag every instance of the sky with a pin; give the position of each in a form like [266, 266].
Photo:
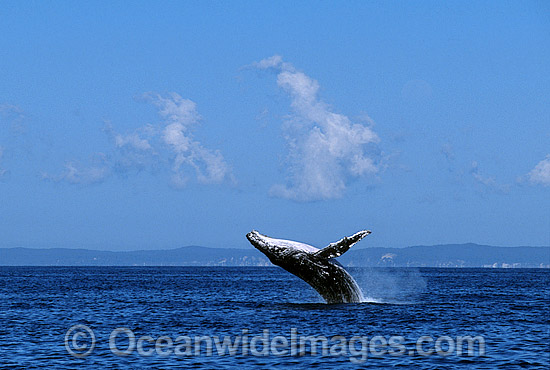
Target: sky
[153, 125]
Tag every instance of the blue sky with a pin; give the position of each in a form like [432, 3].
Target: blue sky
[130, 125]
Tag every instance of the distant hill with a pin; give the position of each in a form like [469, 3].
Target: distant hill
[184, 256]
[449, 255]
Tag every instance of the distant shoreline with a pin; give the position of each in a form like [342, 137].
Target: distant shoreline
[448, 256]
[272, 267]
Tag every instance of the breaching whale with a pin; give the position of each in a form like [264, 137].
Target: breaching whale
[317, 267]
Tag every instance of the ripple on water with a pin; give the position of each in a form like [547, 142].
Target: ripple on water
[37, 306]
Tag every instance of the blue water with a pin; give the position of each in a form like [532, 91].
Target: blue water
[508, 308]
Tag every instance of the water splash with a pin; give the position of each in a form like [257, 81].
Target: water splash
[389, 286]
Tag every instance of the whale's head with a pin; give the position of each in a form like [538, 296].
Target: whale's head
[263, 244]
[256, 239]
[278, 250]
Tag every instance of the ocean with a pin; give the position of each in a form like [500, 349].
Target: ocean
[264, 317]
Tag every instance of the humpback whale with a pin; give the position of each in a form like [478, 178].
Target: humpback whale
[317, 267]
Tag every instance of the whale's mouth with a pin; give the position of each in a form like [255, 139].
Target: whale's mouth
[254, 238]
[257, 240]
[253, 235]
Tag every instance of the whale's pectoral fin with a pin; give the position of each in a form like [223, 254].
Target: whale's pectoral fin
[340, 247]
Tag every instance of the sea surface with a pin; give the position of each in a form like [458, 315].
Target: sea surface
[161, 317]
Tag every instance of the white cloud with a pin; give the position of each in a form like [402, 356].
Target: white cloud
[75, 173]
[13, 115]
[134, 151]
[133, 140]
[10, 110]
[484, 180]
[179, 115]
[276, 61]
[541, 173]
[487, 181]
[150, 147]
[448, 151]
[325, 148]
